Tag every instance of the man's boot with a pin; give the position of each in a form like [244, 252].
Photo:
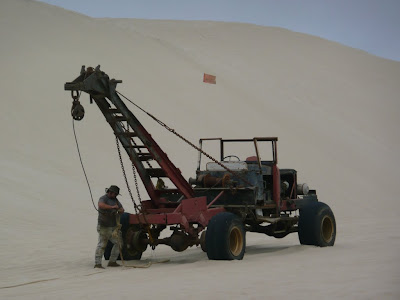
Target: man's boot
[99, 266]
[113, 264]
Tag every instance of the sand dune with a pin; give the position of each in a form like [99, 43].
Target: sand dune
[335, 110]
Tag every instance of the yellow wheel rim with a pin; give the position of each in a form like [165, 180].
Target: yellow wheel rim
[327, 228]
[236, 241]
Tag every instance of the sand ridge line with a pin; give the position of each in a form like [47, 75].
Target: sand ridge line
[144, 266]
[27, 283]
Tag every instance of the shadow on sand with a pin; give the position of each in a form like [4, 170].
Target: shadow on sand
[196, 255]
[261, 249]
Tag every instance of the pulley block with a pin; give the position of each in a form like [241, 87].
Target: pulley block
[77, 110]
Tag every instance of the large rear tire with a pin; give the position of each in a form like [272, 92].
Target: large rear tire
[317, 225]
[225, 237]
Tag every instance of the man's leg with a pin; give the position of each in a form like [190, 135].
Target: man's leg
[101, 245]
[115, 249]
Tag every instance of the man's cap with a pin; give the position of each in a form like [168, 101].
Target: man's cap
[114, 189]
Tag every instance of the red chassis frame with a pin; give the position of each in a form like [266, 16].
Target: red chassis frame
[188, 211]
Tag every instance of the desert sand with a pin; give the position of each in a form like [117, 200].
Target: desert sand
[335, 110]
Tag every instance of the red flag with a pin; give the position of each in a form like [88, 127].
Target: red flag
[209, 78]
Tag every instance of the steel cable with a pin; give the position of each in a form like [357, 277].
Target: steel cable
[187, 141]
[83, 168]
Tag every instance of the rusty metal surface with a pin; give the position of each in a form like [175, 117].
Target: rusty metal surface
[276, 186]
[188, 211]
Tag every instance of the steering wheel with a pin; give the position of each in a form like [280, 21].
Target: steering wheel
[230, 156]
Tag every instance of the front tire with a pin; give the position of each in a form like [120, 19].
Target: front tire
[225, 237]
[317, 225]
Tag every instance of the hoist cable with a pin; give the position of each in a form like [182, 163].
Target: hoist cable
[83, 168]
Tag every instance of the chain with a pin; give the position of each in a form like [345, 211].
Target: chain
[126, 179]
[136, 183]
[188, 142]
[134, 169]
[137, 209]
[134, 144]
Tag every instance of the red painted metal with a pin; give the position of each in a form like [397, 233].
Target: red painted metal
[193, 210]
[288, 205]
[173, 173]
[252, 158]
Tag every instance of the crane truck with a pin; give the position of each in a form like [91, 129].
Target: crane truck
[226, 198]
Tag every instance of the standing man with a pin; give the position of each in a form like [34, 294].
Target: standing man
[109, 210]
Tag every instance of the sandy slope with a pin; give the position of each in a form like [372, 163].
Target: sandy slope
[335, 110]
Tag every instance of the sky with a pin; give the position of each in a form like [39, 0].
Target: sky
[369, 25]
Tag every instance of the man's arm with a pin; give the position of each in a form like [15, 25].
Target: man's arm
[103, 205]
[120, 207]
